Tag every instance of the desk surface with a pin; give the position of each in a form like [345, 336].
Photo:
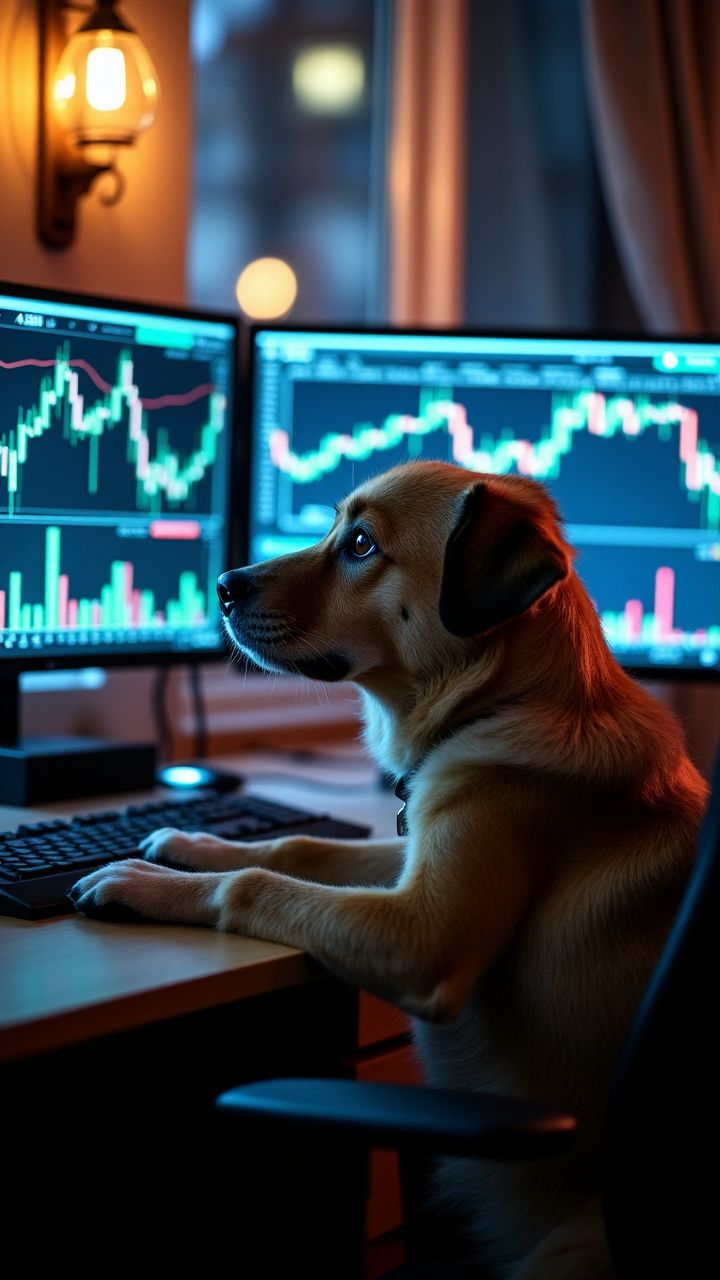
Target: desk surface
[70, 979]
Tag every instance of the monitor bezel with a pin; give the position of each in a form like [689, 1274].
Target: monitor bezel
[235, 535]
[648, 674]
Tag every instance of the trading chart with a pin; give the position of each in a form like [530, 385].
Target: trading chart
[626, 435]
[114, 446]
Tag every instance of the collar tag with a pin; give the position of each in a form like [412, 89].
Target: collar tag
[402, 788]
[402, 793]
[402, 826]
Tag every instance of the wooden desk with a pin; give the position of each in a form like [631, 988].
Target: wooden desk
[69, 979]
[114, 1040]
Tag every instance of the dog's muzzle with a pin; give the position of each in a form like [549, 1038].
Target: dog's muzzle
[235, 588]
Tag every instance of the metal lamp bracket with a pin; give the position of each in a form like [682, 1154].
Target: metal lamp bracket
[63, 175]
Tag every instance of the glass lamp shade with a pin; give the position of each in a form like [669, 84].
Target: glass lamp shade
[105, 90]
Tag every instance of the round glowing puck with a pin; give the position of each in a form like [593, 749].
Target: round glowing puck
[188, 777]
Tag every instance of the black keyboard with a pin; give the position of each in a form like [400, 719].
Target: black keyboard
[40, 862]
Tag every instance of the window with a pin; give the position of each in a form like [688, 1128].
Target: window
[289, 150]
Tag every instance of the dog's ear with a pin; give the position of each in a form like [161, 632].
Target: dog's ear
[499, 559]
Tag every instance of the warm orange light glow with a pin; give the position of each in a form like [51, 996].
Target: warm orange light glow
[266, 289]
[105, 89]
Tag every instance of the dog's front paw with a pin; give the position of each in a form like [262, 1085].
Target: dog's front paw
[134, 889]
[198, 851]
[183, 849]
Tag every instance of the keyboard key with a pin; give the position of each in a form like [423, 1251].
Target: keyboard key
[40, 828]
[84, 864]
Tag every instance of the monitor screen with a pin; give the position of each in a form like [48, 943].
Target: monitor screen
[626, 435]
[114, 478]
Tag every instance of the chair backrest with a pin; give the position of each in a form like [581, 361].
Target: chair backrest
[662, 1144]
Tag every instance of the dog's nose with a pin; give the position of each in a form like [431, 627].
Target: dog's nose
[234, 588]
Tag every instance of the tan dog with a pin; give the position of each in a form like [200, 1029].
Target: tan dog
[552, 820]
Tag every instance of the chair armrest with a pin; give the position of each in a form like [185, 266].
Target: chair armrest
[403, 1116]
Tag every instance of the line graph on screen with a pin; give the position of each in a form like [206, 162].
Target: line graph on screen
[162, 473]
[591, 413]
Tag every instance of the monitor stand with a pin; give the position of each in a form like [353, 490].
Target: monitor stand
[35, 770]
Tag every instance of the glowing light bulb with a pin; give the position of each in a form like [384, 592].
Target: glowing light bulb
[266, 289]
[105, 79]
[106, 89]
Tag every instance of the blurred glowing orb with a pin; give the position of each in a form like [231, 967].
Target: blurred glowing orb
[329, 79]
[266, 289]
[184, 775]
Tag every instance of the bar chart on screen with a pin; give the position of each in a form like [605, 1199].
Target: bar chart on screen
[118, 602]
[655, 627]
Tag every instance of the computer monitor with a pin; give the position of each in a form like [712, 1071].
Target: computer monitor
[115, 440]
[625, 433]
[115, 467]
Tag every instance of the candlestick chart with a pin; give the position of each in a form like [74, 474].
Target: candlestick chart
[441, 429]
[115, 446]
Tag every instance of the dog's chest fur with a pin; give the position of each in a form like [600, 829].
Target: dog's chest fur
[547, 1020]
[517, 1036]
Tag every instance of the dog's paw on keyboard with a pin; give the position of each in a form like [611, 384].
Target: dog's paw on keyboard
[112, 912]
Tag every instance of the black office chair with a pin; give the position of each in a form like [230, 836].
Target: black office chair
[660, 1163]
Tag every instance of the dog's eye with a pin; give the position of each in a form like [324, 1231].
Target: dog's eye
[361, 544]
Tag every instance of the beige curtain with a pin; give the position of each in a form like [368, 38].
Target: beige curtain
[654, 83]
[426, 180]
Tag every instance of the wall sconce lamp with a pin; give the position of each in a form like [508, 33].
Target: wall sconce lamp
[98, 92]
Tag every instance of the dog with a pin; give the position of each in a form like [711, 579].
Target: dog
[551, 821]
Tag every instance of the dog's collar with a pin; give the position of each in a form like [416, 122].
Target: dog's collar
[402, 787]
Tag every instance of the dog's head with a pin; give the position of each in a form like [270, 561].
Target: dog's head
[420, 563]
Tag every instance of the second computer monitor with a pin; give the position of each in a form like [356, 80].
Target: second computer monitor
[626, 435]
